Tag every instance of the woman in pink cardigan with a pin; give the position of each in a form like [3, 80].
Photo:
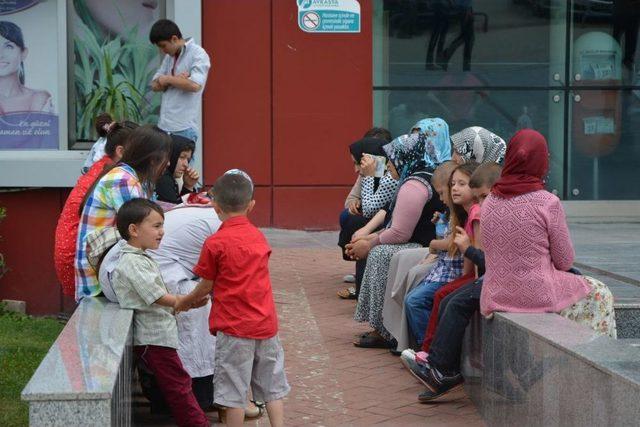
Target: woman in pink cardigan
[528, 250]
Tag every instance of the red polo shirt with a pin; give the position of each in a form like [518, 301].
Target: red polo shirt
[236, 259]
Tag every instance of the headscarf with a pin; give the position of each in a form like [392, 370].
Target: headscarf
[479, 145]
[178, 145]
[526, 163]
[367, 145]
[421, 125]
[420, 151]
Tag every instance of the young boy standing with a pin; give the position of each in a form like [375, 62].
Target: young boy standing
[234, 263]
[138, 285]
[181, 77]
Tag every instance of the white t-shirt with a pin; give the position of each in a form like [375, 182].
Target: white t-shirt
[179, 109]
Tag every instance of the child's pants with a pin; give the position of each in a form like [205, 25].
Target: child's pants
[437, 299]
[174, 382]
[417, 306]
[456, 311]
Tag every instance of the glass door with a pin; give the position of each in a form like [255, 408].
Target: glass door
[604, 100]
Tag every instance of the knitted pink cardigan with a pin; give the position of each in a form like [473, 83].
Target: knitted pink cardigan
[528, 251]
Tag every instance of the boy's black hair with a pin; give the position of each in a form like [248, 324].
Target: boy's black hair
[485, 174]
[134, 211]
[380, 133]
[232, 192]
[163, 30]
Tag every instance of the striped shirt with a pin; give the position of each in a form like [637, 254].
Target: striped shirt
[138, 284]
[118, 186]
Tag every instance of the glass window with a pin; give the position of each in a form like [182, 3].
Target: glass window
[506, 43]
[112, 64]
[501, 111]
[568, 69]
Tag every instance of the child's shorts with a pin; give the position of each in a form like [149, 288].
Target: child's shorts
[244, 361]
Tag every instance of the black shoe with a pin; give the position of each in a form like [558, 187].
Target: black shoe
[439, 385]
[421, 372]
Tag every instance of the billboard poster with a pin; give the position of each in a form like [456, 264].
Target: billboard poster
[113, 62]
[29, 75]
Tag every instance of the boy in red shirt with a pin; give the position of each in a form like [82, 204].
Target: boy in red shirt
[234, 263]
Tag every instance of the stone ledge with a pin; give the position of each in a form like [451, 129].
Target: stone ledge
[85, 378]
[542, 369]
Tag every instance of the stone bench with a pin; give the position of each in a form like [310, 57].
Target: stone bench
[545, 370]
[85, 378]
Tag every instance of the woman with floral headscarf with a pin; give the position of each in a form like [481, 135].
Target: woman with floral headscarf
[413, 159]
[477, 144]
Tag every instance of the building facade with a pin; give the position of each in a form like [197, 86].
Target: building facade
[284, 100]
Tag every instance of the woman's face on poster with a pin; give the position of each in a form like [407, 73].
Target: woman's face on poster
[10, 57]
[120, 16]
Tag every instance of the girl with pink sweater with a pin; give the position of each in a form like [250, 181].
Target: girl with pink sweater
[528, 250]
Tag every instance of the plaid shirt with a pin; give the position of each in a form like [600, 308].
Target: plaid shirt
[446, 269]
[138, 284]
[118, 186]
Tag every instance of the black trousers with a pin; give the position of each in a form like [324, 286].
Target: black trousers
[455, 314]
[349, 224]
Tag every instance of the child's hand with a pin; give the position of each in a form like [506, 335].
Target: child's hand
[436, 217]
[429, 259]
[462, 239]
[180, 305]
[201, 303]
[190, 178]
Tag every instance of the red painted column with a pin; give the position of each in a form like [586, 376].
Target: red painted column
[237, 100]
[322, 101]
[284, 105]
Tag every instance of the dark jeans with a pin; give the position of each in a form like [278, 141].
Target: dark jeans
[455, 314]
[349, 224]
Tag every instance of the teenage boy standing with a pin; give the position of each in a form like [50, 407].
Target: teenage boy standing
[181, 77]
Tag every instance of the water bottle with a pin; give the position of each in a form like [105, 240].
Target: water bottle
[441, 226]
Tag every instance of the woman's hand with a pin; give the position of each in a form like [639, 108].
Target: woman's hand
[462, 240]
[355, 207]
[359, 234]
[367, 165]
[190, 178]
[359, 249]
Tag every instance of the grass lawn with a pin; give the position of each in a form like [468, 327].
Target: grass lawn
[24, 341]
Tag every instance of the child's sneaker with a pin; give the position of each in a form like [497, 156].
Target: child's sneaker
[407, 356]
[438, 384]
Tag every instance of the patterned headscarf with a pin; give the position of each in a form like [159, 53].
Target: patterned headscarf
[420, 151]
[479, 145]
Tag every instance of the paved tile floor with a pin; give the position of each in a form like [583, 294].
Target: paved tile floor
[334, 383]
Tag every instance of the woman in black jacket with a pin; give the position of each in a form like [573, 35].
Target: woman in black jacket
[170, 188]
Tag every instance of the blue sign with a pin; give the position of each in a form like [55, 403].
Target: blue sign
[329, 16]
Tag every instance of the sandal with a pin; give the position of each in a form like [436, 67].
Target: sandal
[249, 413]
[347, 293]
[372, 341]
[253, 413]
